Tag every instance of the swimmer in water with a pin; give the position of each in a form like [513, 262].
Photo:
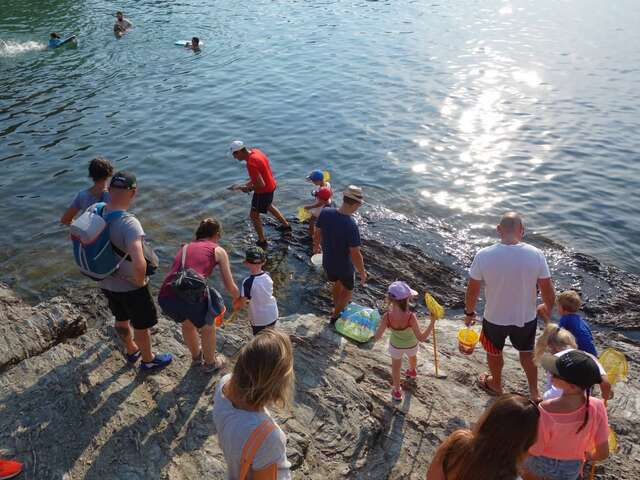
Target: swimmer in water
[54, 40]
[194, 44]
[121, 24]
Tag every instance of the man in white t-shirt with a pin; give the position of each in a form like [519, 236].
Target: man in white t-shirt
[511, 272]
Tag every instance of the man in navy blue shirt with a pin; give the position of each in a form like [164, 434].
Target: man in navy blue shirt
[338, 233]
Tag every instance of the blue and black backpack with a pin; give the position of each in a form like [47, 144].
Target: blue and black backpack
[95, 255]
[92, 249]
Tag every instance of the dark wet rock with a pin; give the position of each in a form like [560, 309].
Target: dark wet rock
[305, 288]
[611, 297]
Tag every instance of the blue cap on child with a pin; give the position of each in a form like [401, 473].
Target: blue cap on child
[315, 176]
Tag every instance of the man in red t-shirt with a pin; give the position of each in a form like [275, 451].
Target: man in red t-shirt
[262, 183]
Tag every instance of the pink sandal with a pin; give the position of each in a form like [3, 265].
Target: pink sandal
[396, 394]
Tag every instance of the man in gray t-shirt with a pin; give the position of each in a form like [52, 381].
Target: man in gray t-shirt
[127, 290]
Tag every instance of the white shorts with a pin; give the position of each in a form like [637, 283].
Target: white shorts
[397, 353]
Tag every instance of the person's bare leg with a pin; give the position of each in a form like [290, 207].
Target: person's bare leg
[312, 226]
[495, 363]
[343, 298]
[257, 224]
[143, 339]
[413, 362]
[276, 213]
[335, 292]
[530, 368]
[396, 365]
[191, 338]
[123, 330]
[209, 343]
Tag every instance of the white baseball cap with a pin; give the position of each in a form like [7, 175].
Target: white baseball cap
[236, 145]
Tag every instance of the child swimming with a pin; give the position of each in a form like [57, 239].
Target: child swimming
[194, 44]
[54, 40]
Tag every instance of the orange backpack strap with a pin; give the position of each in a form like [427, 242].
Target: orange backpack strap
[252, 445]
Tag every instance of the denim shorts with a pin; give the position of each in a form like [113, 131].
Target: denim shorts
[198, 313]
[553, 469]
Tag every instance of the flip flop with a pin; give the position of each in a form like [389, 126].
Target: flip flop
[483, 383]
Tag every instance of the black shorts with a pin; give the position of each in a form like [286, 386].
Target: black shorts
[522, 338]
[347, 281]
[136, 306]
[259, 328]
[260, 202]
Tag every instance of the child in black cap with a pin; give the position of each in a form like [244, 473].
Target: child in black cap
[257, 291]
[571, 424]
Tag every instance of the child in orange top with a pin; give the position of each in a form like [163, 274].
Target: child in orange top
[571, 424]
[405, 333]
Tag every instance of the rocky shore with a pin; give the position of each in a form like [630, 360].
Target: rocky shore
[71, 408]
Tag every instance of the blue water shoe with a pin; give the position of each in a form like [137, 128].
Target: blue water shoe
[159, 360]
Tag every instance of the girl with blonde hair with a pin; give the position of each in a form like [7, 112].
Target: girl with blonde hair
[557, 341]
[253, 444]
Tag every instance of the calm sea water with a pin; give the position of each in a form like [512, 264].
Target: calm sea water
[447, 113]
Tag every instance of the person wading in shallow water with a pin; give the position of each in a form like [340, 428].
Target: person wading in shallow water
[100, 169]
[510, 270]
[338, 233]
[263, 185]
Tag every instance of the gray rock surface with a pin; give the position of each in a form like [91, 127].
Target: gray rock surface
[26, 331]
[71, 408]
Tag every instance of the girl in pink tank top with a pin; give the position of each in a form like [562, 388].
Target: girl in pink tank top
[200, 257]
[573, 428]
[196, 319]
